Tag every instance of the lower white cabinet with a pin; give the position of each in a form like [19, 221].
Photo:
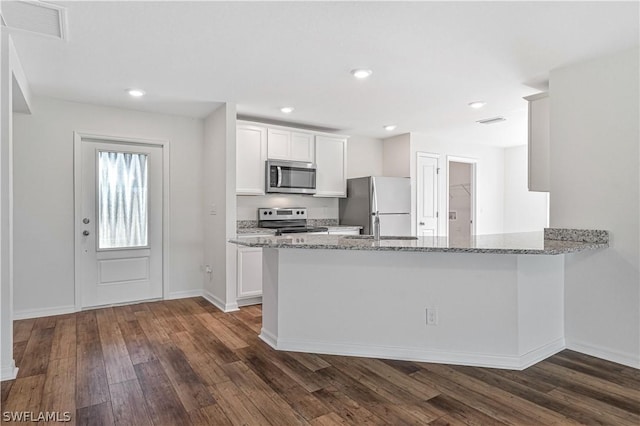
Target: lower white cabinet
[249, 276]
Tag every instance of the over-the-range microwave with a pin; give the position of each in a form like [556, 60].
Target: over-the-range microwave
[290, 177]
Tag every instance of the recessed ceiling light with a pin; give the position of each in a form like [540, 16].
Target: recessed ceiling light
[361, 73]
[477, 104]
[287, 110]
[136, 93]
[390, 127]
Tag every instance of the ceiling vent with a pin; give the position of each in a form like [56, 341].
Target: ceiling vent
[35, 17]
[491, 120]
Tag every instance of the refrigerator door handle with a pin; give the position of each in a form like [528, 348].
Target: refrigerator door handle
[374, 195]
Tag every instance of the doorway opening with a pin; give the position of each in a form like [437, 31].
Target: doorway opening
[461, 200]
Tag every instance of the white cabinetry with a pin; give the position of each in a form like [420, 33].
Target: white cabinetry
[257, 142]
[249, 277]
[251, 154]
[288, 145]
[331, 161]
[539, 171]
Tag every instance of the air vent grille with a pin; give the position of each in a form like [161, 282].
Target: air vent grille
[491, 120]
[36, 17]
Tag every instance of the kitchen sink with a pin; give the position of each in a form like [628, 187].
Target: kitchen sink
[384, 237]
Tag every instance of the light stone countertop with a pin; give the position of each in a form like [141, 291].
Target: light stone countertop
[520, 243]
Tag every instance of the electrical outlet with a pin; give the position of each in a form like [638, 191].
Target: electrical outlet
[208, 269]
[213, 210]
[432, 316]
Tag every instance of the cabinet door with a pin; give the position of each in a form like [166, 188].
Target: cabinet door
[279, 144]
[302, 147]
[249, 272]
[251, 154]
[331, 161]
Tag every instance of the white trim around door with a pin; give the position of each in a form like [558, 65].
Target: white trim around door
[78, 138]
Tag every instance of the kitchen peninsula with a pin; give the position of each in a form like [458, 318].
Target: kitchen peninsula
[498, 302]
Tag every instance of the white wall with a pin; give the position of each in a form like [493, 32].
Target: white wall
[219, 161]
[44, 200]
[489, 178]
[396, 156]
[317, 207]
[15, 96]
[595, 184]
[364, 157]
[524, 211]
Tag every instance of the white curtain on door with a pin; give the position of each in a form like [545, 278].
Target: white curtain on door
[123, 203]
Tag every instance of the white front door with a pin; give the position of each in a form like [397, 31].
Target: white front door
[119, 222]
[427, 195]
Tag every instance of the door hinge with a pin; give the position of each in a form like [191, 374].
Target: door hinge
[437, 215]
[438, 170]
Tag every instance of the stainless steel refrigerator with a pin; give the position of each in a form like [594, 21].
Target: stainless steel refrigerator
[390, 196]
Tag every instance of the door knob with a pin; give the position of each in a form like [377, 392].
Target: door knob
[85, 220]
[85, 233]
[421, 223]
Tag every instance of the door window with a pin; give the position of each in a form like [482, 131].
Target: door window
[122, 200]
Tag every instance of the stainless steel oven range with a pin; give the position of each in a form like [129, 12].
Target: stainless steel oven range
[290, 220]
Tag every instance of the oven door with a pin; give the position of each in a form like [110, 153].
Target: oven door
[291, 177]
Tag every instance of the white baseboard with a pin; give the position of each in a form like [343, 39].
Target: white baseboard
[624, 358]
[543, 352]
[414, 354]
[269, 338]
[44, 312]
[184, 294]
[9, 372]
[218, 303]
[250, 301]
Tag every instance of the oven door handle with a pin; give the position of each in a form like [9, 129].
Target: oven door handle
[279, 176]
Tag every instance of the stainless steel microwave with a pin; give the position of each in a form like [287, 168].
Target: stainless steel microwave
[290, 177]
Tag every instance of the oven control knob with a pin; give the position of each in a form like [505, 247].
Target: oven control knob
[270, 212]
[264, 212]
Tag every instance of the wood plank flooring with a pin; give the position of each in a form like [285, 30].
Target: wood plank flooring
[183, 362]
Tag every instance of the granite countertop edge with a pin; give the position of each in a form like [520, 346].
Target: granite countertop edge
[555, 242]
[546, 251]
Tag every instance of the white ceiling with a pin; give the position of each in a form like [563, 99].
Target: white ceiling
[429, 59]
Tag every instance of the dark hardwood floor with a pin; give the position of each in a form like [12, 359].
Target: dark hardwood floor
[184, 362]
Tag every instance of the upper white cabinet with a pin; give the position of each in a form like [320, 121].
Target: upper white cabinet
[288, 145]
[302, 147]
[539, 145]
[331, 162]
[257, 142]
[251, 154]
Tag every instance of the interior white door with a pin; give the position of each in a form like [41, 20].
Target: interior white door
[120, 223]
[427, 196]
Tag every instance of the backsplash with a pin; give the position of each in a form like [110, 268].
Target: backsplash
[246, 224]
[317, 208]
